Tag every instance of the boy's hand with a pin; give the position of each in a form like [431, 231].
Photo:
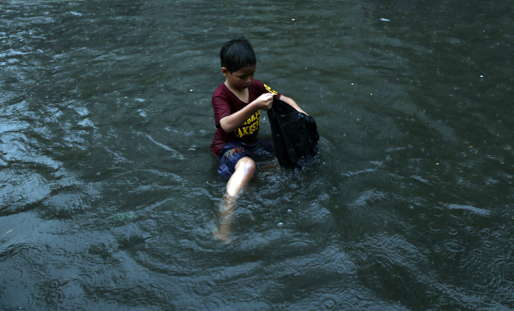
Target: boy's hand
[265, 101]
[235, 120]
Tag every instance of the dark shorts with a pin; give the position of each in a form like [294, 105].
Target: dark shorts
[232, 152]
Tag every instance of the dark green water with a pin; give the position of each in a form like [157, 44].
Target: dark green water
[109, 193]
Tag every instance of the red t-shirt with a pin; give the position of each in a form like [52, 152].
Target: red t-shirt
[226, 103]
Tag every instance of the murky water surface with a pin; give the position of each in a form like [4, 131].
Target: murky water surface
[109, 193]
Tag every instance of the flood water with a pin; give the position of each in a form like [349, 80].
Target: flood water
[109, 192]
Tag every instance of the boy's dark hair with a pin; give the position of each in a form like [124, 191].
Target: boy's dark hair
[236, 54]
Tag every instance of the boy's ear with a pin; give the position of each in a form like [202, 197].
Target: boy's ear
[225, 71]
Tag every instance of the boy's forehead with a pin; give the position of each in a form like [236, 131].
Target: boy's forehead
[246, 70]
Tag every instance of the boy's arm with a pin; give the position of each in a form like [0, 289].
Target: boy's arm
[291, 103]
[232, 122]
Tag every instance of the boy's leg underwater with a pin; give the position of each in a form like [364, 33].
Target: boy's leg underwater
[244, 171]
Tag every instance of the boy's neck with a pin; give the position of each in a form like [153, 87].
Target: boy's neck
[241, 94]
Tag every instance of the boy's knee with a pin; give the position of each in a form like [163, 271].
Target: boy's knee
[244, 171]
[247, 164]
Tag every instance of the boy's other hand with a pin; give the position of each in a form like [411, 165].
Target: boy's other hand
[265, 101]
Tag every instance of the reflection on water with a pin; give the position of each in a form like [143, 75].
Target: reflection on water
[109, 192]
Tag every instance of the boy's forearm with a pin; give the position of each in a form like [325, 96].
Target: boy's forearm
[291, 103]
[232, 122]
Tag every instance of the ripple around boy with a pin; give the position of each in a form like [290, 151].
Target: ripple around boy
[237, 104]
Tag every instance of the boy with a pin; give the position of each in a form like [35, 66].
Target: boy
[237, 104]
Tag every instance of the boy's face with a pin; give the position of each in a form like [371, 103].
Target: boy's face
[241, 78]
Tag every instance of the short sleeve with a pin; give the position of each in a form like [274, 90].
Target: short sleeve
[221, 108]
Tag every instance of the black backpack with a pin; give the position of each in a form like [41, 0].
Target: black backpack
[295, 136]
